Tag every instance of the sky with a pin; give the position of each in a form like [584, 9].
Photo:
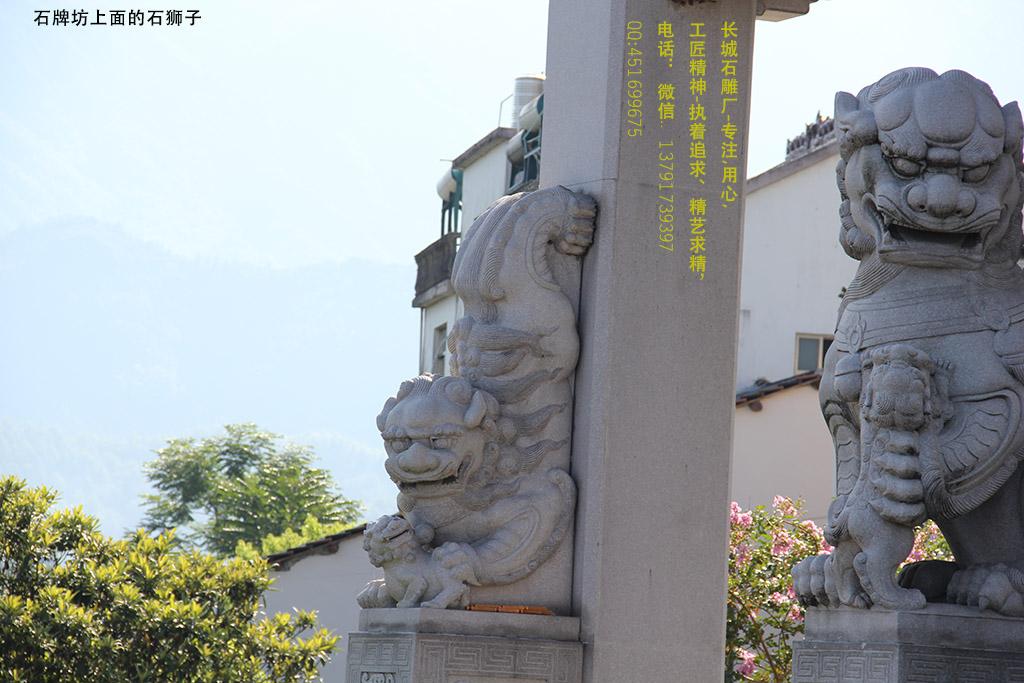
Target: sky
[302, 136]
[279, 133]
[313, 131]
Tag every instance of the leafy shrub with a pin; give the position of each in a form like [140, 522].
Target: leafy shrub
[76, 605]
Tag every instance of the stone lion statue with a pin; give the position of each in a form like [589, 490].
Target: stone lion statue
[465, 487]
[922, 387]
[411, 577]
[481, 458]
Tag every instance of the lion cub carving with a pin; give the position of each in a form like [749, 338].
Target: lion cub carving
[412, 576]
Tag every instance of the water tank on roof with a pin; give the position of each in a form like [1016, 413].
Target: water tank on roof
[447, 184]
[530, 115]
[514, 147]
[526, 89]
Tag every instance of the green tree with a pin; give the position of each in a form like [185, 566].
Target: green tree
[78, 606]
[243, 486]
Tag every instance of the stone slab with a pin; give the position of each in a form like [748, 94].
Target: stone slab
[465, 622]
[447, 658]
[939, 644]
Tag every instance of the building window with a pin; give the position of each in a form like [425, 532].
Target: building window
[440, 347]
[811, 350]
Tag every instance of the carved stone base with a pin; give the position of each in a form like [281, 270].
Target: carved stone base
[938, 644]
[455, 646]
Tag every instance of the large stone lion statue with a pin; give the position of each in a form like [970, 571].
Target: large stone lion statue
[922, 387]
[481, 458]
[466, 489]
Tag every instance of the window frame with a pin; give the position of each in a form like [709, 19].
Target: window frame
[822, 350]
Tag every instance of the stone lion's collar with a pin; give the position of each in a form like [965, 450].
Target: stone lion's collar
[889, 317]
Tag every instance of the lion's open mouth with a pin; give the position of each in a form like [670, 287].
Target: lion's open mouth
[405, 485]
[435, 486]
[916, 244]
[896, 234]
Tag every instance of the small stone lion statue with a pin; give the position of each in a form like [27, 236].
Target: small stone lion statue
[903, 407]
[413, 577]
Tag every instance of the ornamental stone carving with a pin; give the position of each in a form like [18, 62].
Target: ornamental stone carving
[481, 457]
[922, 387]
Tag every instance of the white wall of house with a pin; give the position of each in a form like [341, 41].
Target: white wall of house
[783, 449]
[444, 311]
[793, 267]
[483, 181]
[327, 584]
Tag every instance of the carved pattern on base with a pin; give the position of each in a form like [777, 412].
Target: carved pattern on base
[827, 665]
[429, 658]
[816, 662]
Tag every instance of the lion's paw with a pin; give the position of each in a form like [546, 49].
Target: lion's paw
[965, 586]
[375, 594]
[813, 583]
[458, 560]
[1000, 591]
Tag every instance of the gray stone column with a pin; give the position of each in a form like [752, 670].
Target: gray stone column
[655, 381]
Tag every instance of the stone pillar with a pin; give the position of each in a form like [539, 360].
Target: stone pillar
[655, 383]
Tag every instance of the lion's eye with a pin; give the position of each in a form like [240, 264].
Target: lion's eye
[441, 442]
[399, 445]
[905, 167]
[976, 174]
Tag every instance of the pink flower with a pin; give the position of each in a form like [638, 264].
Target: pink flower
[812, 527]
[779, 598]
[747, 666]
[781, 543]
[784, 505]
[818, 534]
[742, 553]
[739, 518]
[795, 614]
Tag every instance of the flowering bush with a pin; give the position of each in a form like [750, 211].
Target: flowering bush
[763, 613]
[929, 544]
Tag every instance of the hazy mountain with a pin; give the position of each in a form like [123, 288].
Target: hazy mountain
[111, 345]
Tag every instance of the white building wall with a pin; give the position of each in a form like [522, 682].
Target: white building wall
[793, 268]
[483, 181]
[783, 449]
[327, 584]
[442, 312]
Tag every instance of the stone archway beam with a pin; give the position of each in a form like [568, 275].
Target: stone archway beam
[780, 10]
